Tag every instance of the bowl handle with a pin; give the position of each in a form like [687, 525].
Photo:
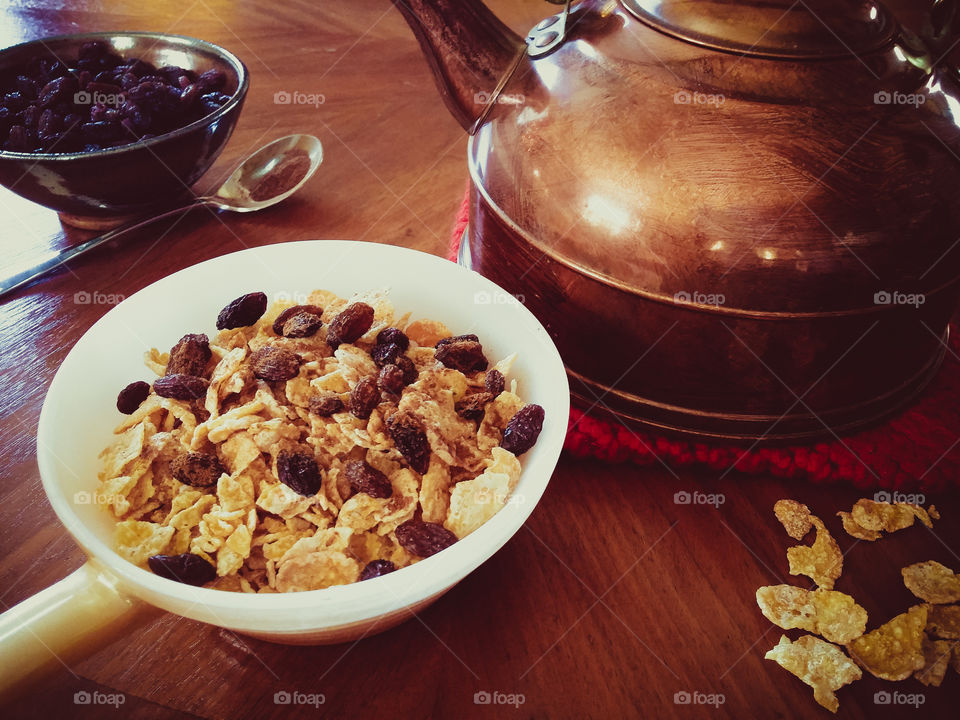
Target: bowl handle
[62, 624]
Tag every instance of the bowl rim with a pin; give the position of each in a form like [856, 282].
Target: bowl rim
[354, 602]
[239, 68]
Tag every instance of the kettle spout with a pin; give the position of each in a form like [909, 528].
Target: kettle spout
[469, 50]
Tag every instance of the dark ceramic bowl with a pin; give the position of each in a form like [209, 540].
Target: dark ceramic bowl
[99, 188]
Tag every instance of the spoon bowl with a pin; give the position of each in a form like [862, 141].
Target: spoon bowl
[272, 174]
[268, 176]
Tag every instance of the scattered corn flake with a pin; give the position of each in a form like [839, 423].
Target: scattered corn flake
[821, 665]
[932, 582]
[821, 561]
[894, 650]
[936, 659]
[854, 530]
[794, 516]
[868, 518]
[834, 615]
[943, 621]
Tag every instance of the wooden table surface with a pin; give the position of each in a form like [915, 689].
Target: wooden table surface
[608, 603]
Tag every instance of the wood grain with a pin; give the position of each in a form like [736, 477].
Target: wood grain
[612, 599]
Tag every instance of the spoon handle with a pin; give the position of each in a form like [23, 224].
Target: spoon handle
[56, 258]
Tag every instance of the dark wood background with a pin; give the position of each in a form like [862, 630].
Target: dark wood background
[610, 601]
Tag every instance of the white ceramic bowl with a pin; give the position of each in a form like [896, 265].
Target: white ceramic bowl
[79, 414]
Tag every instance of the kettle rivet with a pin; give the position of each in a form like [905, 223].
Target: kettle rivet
[547, 22]
[546, 38]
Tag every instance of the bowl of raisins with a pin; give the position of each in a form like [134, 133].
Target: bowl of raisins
[105, 126]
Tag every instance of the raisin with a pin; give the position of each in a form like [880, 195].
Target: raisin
[364, 478]
[364, 398]
[291, 312]
[376, 569]
[297, 469]
[463, 355]
[190, 356]
[472, 406]
[180, 387]
[385, 354]
[457, 338]
[424, 538]
[410, 372]
[410, 437]
[197, 469]
[274, 364]
[523, 429]
[326, 404]
[187, 568]
[393, 336]
[131, 396]
[494, 382]
[302, 325]
[352, 322]
[243, 311]
[391, 379]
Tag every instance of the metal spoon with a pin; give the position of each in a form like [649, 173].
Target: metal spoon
[262, 180]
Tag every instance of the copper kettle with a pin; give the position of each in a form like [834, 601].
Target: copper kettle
[737, 218]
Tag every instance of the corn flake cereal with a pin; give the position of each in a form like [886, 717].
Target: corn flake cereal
[936, 658]
[932, 582]
[794, 516]
[834, 615]
[821, 665]
[943, 621]
[271, 508]
[894, 651]
[821, 561]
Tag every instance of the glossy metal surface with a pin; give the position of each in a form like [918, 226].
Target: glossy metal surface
[129, 179]
[712, 235]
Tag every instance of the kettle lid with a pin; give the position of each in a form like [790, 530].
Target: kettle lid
[808, 29]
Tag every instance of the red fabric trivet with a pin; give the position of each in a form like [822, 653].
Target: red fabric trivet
[917, 449]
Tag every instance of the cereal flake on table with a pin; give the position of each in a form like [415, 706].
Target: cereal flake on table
[312, 445]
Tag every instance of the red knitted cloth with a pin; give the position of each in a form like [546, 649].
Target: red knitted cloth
[917, 449]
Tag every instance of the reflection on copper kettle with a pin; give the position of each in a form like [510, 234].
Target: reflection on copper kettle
[737, 218]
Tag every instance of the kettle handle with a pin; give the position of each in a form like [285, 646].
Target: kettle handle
[944, 24]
